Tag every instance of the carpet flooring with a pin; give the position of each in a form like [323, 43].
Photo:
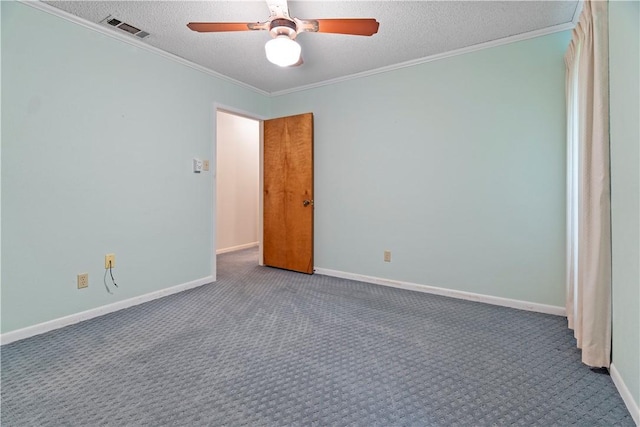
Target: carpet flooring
[266, 347]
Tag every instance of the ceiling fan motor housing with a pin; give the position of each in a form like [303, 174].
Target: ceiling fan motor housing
[283, 27]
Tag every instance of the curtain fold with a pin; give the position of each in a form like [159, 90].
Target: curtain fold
[588, 300]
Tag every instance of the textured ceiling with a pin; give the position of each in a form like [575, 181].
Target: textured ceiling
[409, 31]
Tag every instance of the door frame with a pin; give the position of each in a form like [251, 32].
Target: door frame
[260, 119]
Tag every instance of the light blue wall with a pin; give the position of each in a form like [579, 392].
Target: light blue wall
[97, 142]
[456, 166]
[624, 63]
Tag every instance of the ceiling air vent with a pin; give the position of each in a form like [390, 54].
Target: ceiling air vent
[110, 20]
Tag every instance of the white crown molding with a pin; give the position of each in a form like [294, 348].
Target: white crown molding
[576, 13]
[37, 4]
[469, 296]
[625, 393]
[71, 319]
[132, 41]
[437, 57]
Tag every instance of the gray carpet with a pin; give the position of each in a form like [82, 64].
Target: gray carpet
[266, 347]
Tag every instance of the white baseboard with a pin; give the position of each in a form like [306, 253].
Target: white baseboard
[236, 248]
[61, 322]
[505, 302]
[626, 395]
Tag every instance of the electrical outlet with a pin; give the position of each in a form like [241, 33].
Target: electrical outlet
[83, 280]
[205, 165]
[387, 256]
[109, 260]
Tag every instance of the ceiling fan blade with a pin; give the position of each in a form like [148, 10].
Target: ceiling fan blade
[215, 27]
[353, 26]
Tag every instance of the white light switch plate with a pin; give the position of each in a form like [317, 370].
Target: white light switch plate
[197, 165]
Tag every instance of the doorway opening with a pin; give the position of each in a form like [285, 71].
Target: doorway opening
[238, 182]
[276, 217]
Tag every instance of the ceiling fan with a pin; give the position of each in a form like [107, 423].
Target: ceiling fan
[282, 49]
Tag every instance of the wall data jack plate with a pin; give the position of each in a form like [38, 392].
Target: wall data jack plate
[197, 165]
[109, 261]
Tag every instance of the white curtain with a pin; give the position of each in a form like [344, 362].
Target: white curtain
[588, 192]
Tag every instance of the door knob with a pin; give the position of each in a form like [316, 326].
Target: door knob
[306, 203]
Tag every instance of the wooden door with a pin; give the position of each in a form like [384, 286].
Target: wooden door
[288, 193]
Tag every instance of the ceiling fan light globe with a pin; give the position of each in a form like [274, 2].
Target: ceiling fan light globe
[283, 51]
